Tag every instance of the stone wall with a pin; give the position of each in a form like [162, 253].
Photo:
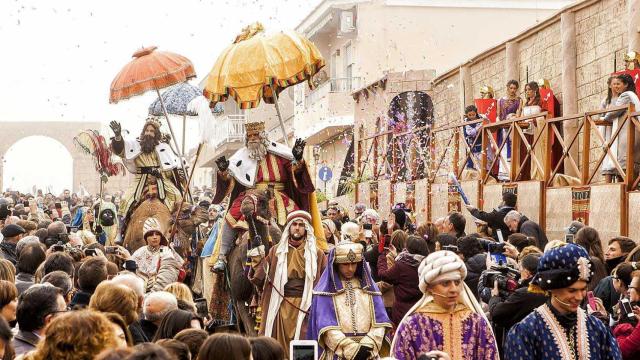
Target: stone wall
[489, 71]
[601, 41]
[540, 57]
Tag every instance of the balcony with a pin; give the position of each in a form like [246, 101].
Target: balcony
[337, 85]
[231, 129]
[328, 110]
[228, 138]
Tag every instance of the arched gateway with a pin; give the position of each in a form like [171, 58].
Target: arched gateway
[84, 172]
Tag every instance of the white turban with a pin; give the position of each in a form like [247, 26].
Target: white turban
[440, 266]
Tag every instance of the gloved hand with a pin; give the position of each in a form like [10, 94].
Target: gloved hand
[298, 149]
[363, 353]
[222, 163]
[115, 126]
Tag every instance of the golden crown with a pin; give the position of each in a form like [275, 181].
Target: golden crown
[543, 84]
[348, 252]
[486, 90]
[153, 121]
[254, 127]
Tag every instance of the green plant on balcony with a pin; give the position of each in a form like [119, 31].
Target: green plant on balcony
[320, 196]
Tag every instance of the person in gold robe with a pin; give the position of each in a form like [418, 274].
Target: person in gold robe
[152, 161]
[347, 314]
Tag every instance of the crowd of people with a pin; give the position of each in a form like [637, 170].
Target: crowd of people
[382, 287]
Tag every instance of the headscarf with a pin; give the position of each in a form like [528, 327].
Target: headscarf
[280, 278]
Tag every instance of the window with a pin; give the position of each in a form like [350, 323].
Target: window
[347, 85]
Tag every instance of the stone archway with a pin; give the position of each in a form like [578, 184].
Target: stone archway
[83, 168]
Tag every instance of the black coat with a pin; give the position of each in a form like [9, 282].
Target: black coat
[515, 307]
[495, 220]
[530, 228]
[475, 266]
[607, 293]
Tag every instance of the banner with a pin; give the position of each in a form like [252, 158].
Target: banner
[548, 102]
[510, 188]
[580, 197]
[454, 201]
[488, 108]
[373, 195]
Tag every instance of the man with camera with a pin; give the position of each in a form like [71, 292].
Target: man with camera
[506, 311]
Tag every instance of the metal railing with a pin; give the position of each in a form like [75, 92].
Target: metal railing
[231, 129]
[336, 85]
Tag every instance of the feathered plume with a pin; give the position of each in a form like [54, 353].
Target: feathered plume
[94, 144]
[200, 105]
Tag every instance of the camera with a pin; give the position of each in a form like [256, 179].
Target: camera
[58, 247]
[506, 277]
[59, 239]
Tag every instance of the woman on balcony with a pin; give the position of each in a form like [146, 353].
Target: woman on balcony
[608, 170]
[532, 107]
[625, 85]
[508, 107]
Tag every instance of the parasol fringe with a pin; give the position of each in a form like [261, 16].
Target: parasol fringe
[200, 105]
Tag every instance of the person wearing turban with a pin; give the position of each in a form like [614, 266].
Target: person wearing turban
[560, 329]
[287, 276]
[347, 314]
[447, 318]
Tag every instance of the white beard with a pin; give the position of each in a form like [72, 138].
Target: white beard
[257, 151]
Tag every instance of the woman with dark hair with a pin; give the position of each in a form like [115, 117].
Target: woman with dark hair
[589, 238]
[403, 275]
[232, 346]
[508, 107]
[533, 106]
[625, 86]
[6, 350]
[608, 169]
[429, 233]
[176, 321]
[8, 300]
[266, 348]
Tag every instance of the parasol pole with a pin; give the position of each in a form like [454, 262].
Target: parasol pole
[284, 132]
[184, 130]
[173, 137]
[175, 223]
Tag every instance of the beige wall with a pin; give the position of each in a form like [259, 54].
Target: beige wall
[601, 37]
[400, 38]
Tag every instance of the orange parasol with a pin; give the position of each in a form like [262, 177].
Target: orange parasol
[150, 70]
[259, 66]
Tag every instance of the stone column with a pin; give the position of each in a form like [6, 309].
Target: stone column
[512, 70]
[466, 90]
[569, 87]
[634, 24]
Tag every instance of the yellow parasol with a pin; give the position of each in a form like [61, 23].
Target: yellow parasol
[259, 66]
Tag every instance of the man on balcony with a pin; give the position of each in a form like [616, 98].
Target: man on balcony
[264, 164]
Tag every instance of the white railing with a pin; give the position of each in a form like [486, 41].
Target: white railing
[336, 85]
[231, 129]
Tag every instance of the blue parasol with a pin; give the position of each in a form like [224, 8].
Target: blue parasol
[176, 99]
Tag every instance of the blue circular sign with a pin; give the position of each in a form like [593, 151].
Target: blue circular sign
[325, 173]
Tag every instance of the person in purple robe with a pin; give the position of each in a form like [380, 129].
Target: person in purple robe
[347, 316]
[508, 107]
[448, 318]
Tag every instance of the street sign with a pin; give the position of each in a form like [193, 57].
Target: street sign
[325, 173]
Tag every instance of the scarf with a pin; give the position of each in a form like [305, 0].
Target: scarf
[281, 278]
